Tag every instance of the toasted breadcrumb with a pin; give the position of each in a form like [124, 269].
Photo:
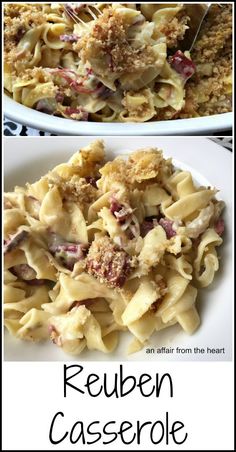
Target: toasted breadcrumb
[107, 262]
[76, 189]
[144, 164]
[141, 166]
[175, 29]
[209, 91]
[19, 18]
[108, 39]
[214, 39]
[38, 73]
[166, 113]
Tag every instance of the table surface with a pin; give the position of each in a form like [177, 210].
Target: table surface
[15, 129]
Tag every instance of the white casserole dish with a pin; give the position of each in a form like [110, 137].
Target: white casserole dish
[59, 126]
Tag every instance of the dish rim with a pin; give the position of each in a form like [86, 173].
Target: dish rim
[19, 113]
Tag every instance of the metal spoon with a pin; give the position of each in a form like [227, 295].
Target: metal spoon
[197, 13]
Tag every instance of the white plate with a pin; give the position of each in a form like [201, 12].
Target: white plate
[194, 126]
[26, 159]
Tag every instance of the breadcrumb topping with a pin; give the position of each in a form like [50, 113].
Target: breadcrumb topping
[108, 39]
[107, 262]
[141, 166]
[175, 29]
[209, 91]
[76, 189]
[18, 19]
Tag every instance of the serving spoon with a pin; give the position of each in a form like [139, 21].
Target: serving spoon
[196, 13]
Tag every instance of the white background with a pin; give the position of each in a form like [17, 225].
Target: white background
[33, 393]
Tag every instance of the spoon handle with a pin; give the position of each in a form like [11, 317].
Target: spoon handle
[197, 13]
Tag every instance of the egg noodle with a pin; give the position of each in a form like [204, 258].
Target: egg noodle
[93, 249]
